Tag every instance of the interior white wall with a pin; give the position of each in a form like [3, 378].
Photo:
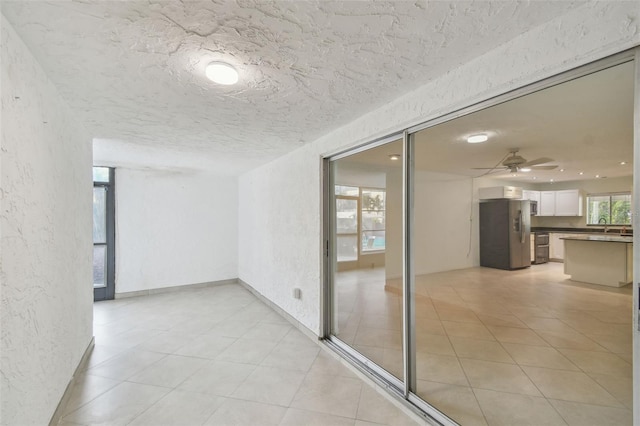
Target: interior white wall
[444, 207]
[280, 202]
[174, 228]
[46, 239]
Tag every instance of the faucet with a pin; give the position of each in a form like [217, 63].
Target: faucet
[603, 220]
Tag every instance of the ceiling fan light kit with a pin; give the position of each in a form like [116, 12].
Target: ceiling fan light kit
[515, 163]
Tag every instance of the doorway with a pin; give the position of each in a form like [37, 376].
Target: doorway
[103, 233]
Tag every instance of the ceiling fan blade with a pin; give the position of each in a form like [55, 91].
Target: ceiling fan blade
[544, 167]
[536, 162]
[489, 168]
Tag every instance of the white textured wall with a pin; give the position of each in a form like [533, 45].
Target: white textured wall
[280, 203]
[46, 246]
[174, 228]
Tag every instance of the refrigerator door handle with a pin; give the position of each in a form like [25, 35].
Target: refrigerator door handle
[521, 228]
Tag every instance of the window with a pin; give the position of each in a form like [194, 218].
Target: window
[359, 212]
[609, 209]
[373, 219]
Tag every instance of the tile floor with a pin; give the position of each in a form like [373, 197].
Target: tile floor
[501, 347]
[215, 356]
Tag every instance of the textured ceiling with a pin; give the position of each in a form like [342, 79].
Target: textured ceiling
[132, 71]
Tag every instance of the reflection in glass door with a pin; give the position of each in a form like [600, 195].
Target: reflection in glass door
[103, 234]
[367, 274]
[467, 342]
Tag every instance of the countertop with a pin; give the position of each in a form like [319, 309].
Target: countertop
[591, 231]
[601, 238]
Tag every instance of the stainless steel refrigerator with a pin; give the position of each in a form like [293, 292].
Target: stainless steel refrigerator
[505, 227]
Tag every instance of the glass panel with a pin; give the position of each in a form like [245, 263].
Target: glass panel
[352, 191]
[99, 266]
[598, 210]
[99, 215]
[101, 174]
[442, 285]
[373, 216]
[367, 293]
[621, 209]
[482, 335]
[346, 216]
[347, 246]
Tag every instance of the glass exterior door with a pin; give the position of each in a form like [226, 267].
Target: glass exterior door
[103, 234]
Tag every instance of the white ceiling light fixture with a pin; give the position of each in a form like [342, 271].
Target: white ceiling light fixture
[221, 73]
[394, 157]
[622, 163]
[478, 138]
[525, 169]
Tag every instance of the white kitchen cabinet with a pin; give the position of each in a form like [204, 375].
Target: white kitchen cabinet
[556, 246]
[547, 204]
[568, 203]
[530, 195]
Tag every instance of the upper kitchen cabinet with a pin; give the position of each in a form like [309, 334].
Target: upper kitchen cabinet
[566, 202]
[530, 195]
[569, 203]
[547, 206]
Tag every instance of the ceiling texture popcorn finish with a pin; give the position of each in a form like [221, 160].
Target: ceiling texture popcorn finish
[133, 71]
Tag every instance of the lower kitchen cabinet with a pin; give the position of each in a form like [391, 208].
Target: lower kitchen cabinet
[556, 246]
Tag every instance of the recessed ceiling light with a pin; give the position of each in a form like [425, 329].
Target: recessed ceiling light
[622, 163]
[525, 169]
[562, 170]
[550, 180]
[535, 177]
[581, 173]
[477, 138]
[221, 73]
[394, 157]
[597, 176]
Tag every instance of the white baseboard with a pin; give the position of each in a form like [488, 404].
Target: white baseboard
[151, 291]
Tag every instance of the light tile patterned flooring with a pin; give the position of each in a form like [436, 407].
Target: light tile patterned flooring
[526, 347]
[214, 356]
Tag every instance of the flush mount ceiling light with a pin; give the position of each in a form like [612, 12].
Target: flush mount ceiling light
[525, 169]
[394, 157]
[622, 163]
[221, 73]
[477, 138]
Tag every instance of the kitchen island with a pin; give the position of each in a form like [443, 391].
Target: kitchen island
[599, 259]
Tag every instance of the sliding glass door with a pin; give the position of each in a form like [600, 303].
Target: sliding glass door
[366, 218]
[410, 299]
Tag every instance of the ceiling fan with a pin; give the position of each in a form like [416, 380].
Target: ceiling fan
[515, 163]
